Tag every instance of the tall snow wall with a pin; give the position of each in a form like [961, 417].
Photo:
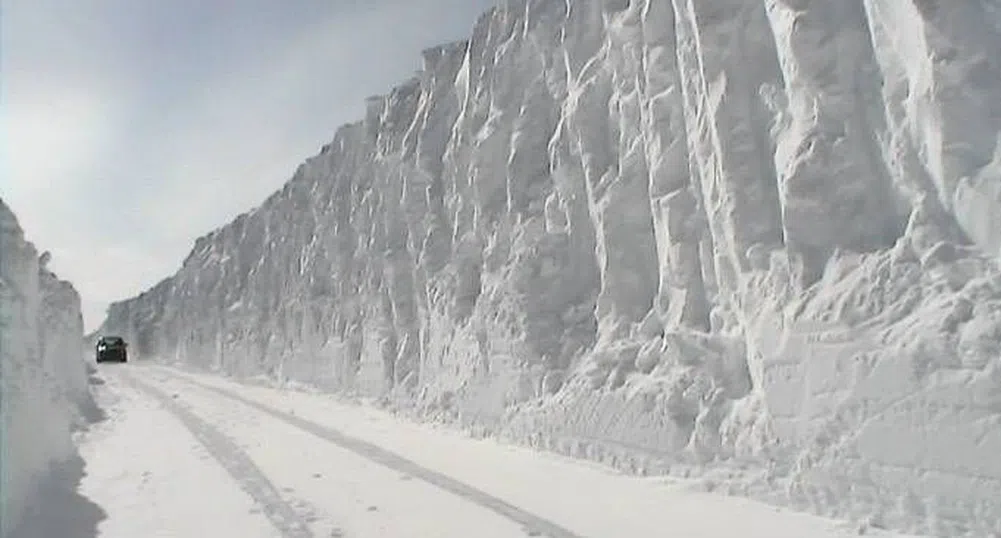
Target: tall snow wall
[43, 379]
[740, 234]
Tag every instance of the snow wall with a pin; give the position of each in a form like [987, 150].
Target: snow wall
[756, 240]
[43, 378]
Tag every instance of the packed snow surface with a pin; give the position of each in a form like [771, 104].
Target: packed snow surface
[731, 239]
[43, 381]
[278, 463]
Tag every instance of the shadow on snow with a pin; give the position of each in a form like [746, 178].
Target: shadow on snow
[58, 510]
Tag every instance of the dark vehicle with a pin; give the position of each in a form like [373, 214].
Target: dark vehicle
[111, 349]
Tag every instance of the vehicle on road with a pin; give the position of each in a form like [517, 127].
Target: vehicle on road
[112, 349]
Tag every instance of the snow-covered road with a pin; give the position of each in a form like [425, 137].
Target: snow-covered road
[184, 455]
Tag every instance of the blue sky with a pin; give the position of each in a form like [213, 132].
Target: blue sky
[131, 127]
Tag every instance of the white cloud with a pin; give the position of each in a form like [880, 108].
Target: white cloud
[52, 136]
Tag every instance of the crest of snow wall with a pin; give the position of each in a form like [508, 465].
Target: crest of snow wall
[43, 381]
[761, 230]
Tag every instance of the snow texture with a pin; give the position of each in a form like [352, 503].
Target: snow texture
[352, 470]
[739, 238]
[43, 379]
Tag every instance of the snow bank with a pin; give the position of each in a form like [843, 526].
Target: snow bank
[741, 234]
[43, 380]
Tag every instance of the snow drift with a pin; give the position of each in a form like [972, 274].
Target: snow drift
[753, 235]
[43, 380]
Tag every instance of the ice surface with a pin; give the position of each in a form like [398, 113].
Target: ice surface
[43, 379]
[742, 238]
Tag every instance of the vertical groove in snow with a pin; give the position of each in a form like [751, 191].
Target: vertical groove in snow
[638, 210]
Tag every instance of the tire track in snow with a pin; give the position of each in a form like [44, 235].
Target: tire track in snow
[534, 525]
[234, 461]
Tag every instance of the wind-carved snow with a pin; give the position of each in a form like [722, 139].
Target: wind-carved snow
[43, 382]
[713, 236]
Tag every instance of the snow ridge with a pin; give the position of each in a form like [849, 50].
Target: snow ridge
[743, 233]
[43, 380]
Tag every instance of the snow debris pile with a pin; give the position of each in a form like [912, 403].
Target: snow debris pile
[43, 379]
[739, 234]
